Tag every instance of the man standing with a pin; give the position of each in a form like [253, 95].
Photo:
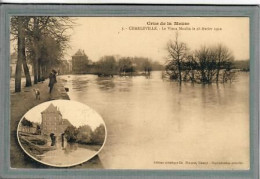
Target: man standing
[52, 79]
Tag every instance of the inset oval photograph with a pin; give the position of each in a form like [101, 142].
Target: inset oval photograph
[61, 133]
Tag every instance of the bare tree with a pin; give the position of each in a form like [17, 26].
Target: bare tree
[38, 29]
[18, 69]
[147, 66]
[107, 66]
[207, 64]
[191, 67]
[25, 66]
[125, 65]
[206, 60]
[224, 59]
[43, 29]
[177, 53]
[18, 26]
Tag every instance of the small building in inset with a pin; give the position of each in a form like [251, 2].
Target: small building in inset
[52, 121]
[28, 129]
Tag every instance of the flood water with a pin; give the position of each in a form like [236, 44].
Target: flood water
[153, 123]
[73, 153]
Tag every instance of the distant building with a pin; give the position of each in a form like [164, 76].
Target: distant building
[28, 129]
[79, 62]
[52, 121]
[13, 61]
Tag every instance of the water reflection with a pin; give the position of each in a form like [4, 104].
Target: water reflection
[70, 147]
[124, 84]
[80, 84]
[73, 153]
[154, 119]
[105, 83]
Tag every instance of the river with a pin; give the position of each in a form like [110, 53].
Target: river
[156, 124]
[72, 154]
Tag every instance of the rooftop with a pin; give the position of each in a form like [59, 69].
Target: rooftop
[51, 108]
[80, 52]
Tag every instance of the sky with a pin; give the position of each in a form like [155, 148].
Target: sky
[77, 113]
[100, 36]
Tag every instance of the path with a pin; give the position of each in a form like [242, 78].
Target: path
[20, 104]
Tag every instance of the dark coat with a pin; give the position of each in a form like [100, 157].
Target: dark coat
[52, 79]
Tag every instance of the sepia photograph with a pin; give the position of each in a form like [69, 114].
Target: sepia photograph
[168, 93]
[61, 133]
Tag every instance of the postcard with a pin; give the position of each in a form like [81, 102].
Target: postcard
[161, 93]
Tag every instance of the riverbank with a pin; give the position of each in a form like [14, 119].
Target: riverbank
[23, 102]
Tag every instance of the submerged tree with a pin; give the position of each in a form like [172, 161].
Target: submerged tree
[107, 66]
[224, 59]
[147, 66]
[177, 53]
[205, 65]
[206, 60]
[125, 65]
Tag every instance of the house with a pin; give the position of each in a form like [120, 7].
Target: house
[52, 121]
[28, 129]
[79, 62]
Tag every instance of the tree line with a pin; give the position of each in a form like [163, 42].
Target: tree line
[110, 65]
[27, 123]
[41, 42]
[242, 65]
[85, 135]
[207, 64]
